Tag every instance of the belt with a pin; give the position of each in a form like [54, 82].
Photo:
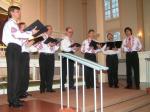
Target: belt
[132, 52]
[47, 53]
[68, 52]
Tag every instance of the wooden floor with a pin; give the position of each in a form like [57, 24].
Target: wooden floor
[115, 100]
[33, 106]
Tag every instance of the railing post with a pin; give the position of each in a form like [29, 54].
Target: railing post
[95, 67]
[77, 105]
[68, 96]
[61, 82]
[83, 84]
[95, 97]
[101, 90]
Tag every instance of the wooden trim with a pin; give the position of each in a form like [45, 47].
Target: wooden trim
[43, 11]
[62, 27]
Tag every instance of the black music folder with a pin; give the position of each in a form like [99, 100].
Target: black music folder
[75, 45]
[53, 40]
[40, 26]
[115, 44]
[118, 44]
[38, 39]
[94, 44]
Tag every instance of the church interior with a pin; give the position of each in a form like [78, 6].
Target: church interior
[104, 16]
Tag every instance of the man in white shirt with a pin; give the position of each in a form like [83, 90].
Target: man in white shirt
[47, 62]
[65, 48]
[131, 45]
[90, 54]
[11, 38]
[111, 62]
[25, 60]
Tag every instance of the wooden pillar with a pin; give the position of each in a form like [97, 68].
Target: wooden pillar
[62, 27]
[100, 30]
[140, 21]
[43, 11]
[84, 12]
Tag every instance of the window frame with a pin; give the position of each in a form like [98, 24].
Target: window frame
[111, 11]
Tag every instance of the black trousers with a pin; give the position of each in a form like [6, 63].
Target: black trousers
[25, 73]
[89, 75]
[64, 71]
[13, 54]
[47, 64]
[112, 63]
[132, 62]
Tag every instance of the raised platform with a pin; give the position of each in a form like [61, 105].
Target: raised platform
[33, 106]
[115, 100]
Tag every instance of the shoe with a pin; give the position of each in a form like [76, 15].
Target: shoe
[42, 91]
[15, 104]
[96, 87]
[87, 87]
[137, 88]
[26, 93]
[51, 90]
[128, 87]
[110, 86]
[72, 87]
[23, 96]
[21, 101]
[64, 89]
[116, 86]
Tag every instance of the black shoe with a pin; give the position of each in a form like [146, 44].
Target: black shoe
[87, 87]
[137, 88]
[51, 90]
[72, 87]
[96, 87]
[27, 94]
[23, 96]
[21, 101]
[15, 104]
[64, 89]
[116, 86]
[110, 86]
[42, 91]
[128, 87]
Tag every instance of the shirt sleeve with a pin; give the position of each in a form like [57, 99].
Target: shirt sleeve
[139, 45]
[56, 47]
[98, 50]
[65, 46]
[16, 33]
[104, 50]
[124, 48]
[83, 47]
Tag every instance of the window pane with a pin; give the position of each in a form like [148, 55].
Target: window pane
[111, 9]
[107, 4]
[115, 13]
[117, 36]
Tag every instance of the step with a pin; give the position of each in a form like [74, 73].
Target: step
[129, 105]
[145, 108]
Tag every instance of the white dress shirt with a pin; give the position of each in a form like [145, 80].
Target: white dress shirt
[85, 48]
[24, 47]
[110, 52]
[45, 48]
[135, 43]
[65, 43]
[12, 34]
